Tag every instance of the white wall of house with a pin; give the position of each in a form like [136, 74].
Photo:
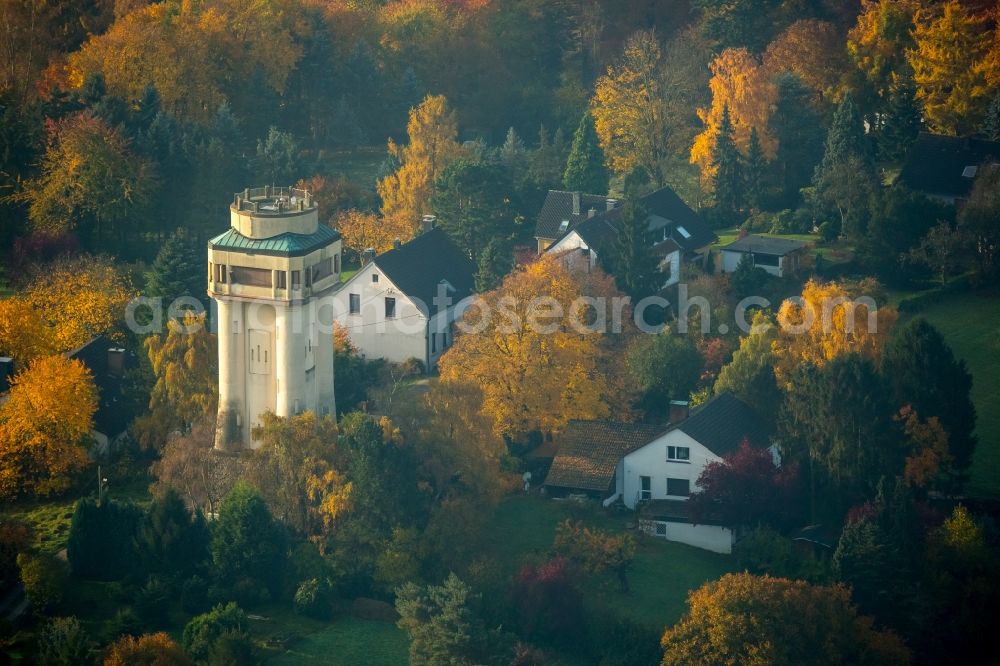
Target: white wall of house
[671, 264]
[575, 251]
[395, 339]
[651, 460]
[709, 537]
[731, 260]
[406, 335]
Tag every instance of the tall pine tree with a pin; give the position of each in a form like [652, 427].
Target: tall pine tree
[728, 163]
[902, 121]
[845, 179]
[630, 258]
[177, 271]
[797, 127]
[844, 140]
[585, 170]
[755, 167]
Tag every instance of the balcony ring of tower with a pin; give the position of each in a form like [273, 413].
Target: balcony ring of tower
[269, 211]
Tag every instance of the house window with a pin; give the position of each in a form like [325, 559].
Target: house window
[434, 340]
[661, 529]
[355, 303]
[220, 273]
[678, 453]
[309, 281]
[678, 487]
[282, 280]
[645, 488]
[374, 277]
[563, 226]
[336, 263]
[390, 307]
[323, 269]
[296, 279]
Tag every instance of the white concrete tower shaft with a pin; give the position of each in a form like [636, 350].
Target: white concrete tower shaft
[270, 276]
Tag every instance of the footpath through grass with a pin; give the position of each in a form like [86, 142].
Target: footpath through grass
[971, 325]
[663, 572]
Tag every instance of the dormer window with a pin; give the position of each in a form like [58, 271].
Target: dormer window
[563, 226]
[683, 232]
[969, 172]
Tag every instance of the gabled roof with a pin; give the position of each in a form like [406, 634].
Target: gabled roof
[769, 245]
[664, 209]
[935, 164]
[665, 203]
[589, 451]
[286, 245]
[112, 416]
[419, 267]
[722, 423]
[558, 207]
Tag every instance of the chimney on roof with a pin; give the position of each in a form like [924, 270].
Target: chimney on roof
[116, 361]
[396, 243]
[6, 372]
[368, 256]
[576, 203]
[591, 212]
[612, 203]
[428, 221]
[678, 411]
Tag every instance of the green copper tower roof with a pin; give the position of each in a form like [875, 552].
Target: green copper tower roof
[286, 244]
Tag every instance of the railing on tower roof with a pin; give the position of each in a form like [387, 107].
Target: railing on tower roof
[272, 200]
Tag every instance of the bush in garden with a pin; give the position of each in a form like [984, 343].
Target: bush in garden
[44, 578]
[203, 631]
[312, 600]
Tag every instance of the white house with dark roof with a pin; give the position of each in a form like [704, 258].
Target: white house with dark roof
[402, 303]
[654, 468]
[562, 211]
[677, 232]
[777, 256]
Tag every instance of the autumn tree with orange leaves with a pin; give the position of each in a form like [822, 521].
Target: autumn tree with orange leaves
[158, 648]
[66, 304]
[951, 63]
[741, 84]
[44, 427]
[536, 369]
[830, 320]
[362, 231]
[433, 145]
[742, 618]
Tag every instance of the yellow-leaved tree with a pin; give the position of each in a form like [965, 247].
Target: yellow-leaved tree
[829, 320]
[744, 86]
[44, 426]
[629, 109]
[536, 369]
[80, 297]
[66, 304]
[433, 145]
[815, 51]
[362, 231]
[24, 334]
[878, 42]
[196, 53]
[185, 363]
[951, 66]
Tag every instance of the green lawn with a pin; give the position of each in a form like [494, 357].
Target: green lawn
[345, 641]
[49, 520]
[359, 165]
[833, 253]
[971, 325]
[663, 572]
